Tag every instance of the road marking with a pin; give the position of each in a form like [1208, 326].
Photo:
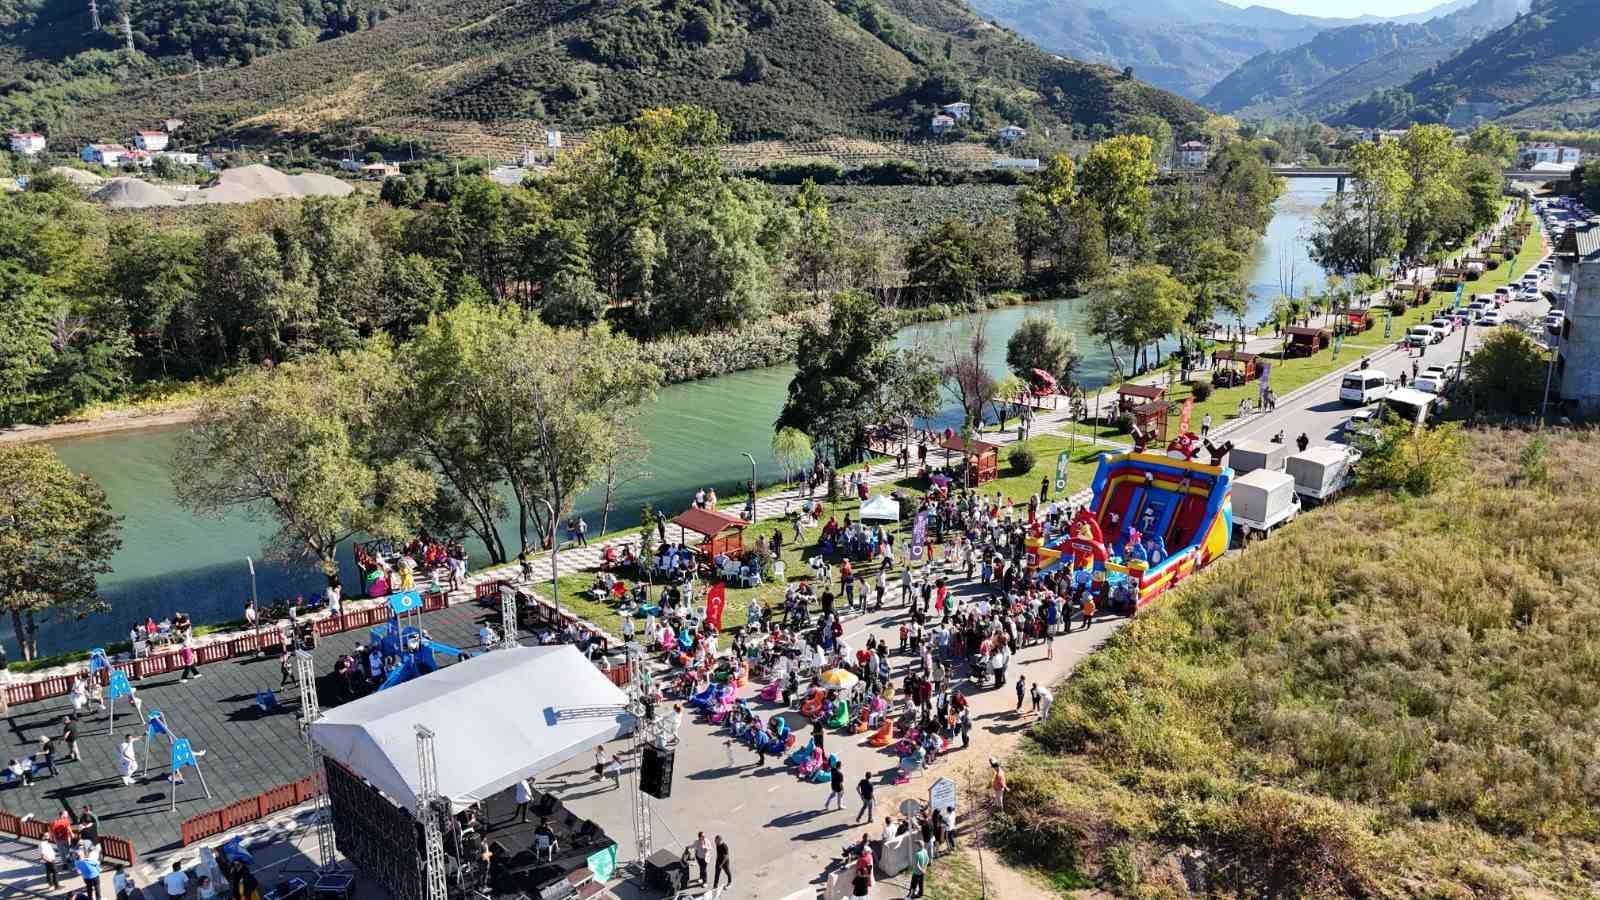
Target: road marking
[773, 788]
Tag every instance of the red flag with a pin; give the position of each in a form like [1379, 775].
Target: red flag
[716, 599]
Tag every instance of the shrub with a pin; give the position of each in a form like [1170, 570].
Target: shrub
[1201, 391]
[1022, 459]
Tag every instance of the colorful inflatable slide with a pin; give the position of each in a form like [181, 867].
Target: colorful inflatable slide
[1154, 520]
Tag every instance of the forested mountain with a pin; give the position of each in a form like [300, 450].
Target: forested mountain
[1340, 65]
[1538, 70]
[455, 70]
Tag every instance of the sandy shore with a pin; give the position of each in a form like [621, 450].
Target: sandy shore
[130, 420]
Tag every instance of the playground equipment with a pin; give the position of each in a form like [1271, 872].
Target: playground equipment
[1155, 519]
[406, 643]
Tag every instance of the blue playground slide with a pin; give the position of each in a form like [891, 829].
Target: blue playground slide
[1156, 509]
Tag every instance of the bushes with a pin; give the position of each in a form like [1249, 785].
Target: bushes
[1201, 391]
[769, 342]
[1022, 459]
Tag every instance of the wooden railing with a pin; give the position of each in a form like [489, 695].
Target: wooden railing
[111, 847]
[248, 810]
[266, 638]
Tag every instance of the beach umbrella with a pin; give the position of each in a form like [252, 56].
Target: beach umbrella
[839, 679]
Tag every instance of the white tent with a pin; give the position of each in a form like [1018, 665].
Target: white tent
[881, 508]
[493, 718]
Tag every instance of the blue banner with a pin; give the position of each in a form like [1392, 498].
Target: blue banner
[406, 601]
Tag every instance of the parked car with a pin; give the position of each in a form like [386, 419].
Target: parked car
[1365, 386]
[1434, 379]
[1444, 324]
[1419, 335]
[1491, 319]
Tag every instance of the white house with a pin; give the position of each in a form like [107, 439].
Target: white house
[1030, 164]
[151, 141]
[941, 124]
[380, 170]
[958, 110]
[1012, 133]
[1535, 152]
[182, 158]
[172, 125]
[26, 143]
[1193, 155]
[103, 154]
[142, 158]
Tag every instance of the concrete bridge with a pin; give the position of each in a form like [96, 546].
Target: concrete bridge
[1340, 173]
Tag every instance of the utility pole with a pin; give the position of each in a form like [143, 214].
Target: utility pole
[94, 14]
[127, 28]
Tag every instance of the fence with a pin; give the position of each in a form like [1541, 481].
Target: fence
[266, 639]
[112, 848]
[248, 810]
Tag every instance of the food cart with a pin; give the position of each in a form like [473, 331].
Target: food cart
[1307, 341]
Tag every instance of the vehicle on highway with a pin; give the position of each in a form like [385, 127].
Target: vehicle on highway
[1263, 500]
[1434, 379]
[1364, 387]
[1476, 310]
[1411, 405]
[1321, 472]
[1444, 324]
[1420, 335]
[1502, 295]
[1363, 423]
[1552, 322]
[1491, 319]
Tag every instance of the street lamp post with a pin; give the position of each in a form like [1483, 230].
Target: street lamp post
[750, 512]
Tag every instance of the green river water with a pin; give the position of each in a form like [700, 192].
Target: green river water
[171, 560]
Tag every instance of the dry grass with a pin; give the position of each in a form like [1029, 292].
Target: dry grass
[1394, 696]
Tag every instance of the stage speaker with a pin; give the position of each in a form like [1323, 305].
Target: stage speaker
[666, 871]
[655, 772]
[547, 805]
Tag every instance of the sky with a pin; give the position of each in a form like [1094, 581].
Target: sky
[1343, 9]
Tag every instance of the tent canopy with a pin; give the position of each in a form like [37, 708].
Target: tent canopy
[493, 718]
[881, 508]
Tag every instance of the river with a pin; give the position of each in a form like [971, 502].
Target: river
[171, 560]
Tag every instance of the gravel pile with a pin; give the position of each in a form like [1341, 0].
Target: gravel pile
[132, 193]
[78, 176]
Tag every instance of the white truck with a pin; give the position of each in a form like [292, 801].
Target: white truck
[1263, 500]
[1321, 472]
[1248, 456]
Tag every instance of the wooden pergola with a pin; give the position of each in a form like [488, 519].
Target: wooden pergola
[1151, 419]
[1245, 361]
[984, 456]
[1359, 318]
[1307, 341]
[720, 532]
[1130, 395]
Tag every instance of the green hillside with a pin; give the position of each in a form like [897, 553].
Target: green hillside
[479, 74]
[1536, 71]
[1276, 81]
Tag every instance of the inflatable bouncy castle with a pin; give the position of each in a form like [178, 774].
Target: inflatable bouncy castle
[1154, 520]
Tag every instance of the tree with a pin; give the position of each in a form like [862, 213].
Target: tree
[1432, 162]
[966, 377]
[1116, 175]
[1484, 185]
[1136, 308]
[1507, 372]
[27, 316]
[538, 408]
[812, 255]
[305, 446]
[792, 449]
[1041, 343]
[1157, 129]
[621, 463]
[1494, 143]
[845, 370]
[57, 535]
[1366, 224]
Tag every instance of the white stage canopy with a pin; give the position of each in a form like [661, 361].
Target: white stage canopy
[881, 508]
[493, 718]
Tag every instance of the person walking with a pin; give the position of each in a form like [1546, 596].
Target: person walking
[127, 759]
[723, 865]
[88, 867]
[524, 796]
[48, 857]
[835, 787]
[1088, 612]
[1205, 424]
[1022, 691]
[997, 784]
[864, 788]
[69, 737]
[702, 849]
[919, 870]
[187, 657]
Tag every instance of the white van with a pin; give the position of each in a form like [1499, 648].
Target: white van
[1411, 406]
[1419, 336]
[1363, 387]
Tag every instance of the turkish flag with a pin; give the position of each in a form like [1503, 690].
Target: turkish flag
[716, 599]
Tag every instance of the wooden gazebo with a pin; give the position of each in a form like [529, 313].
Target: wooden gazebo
[1151, 419]
[1307, 341]
[1241, 368]
[1130, 395]
[1355, 318]
[985, 457]
[720, 532]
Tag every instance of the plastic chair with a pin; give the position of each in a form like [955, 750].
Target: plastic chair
[883, 737]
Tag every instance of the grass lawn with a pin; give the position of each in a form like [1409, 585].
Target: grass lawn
[953, 876]
[1015, 486]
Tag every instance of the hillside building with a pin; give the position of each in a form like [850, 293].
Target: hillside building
[103, 154]
[380, 170]
[1193, 155]
[27, 143]
[941, 124]
[958, 110]
[1577, 280]
[150, 141]
[1012, 133]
